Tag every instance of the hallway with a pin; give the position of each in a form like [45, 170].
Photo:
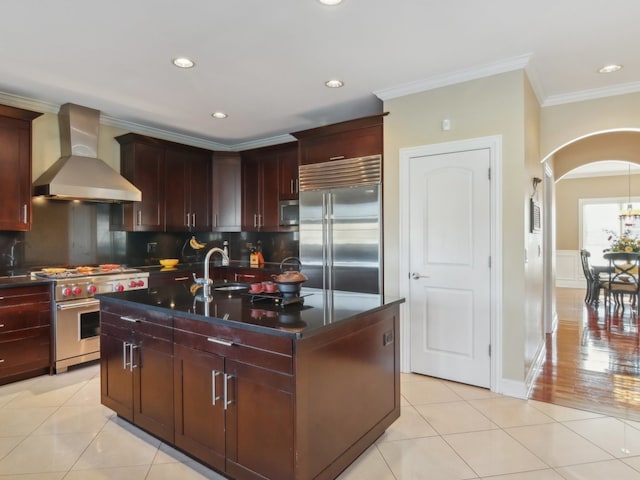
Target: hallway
[592, 360]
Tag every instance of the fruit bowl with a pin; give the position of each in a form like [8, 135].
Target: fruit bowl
[169, 262]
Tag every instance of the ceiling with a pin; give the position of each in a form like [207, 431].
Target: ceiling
[265, 63]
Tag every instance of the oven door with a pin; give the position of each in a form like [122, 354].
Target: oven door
[77, 332]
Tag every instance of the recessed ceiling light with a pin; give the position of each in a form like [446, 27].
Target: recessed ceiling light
[219, 115]
[609, 68]
[330, 2]
[183, 62]
[334, 83]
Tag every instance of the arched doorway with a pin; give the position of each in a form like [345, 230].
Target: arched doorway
[562, 224]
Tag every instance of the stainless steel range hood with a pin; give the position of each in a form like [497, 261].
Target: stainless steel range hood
[79, 174]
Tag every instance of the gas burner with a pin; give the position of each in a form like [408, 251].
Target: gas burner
[282, 299]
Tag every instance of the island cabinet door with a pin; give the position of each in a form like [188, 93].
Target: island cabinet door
[115, 377]
[199, 405]
[152, 369]
[260, 435]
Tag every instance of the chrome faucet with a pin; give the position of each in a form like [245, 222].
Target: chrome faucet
[206, 281]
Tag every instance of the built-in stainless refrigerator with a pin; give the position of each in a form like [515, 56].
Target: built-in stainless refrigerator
[340, 224]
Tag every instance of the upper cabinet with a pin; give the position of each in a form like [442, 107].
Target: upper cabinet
[227, 192]
[354, 138]
[288, 171]
[268, 174]
[187, 190]
[175, 181]
[15, 168]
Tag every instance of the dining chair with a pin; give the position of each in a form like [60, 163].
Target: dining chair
[593, 283]
[623, 278]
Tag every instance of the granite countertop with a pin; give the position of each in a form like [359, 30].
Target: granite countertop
[243, 310]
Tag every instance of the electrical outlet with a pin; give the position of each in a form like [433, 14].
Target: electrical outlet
[387, 338]
[151, 247]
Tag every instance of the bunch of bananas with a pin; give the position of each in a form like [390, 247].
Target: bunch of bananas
[195, 244]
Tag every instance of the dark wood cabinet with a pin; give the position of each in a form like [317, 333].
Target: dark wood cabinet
[288, 170]
[136, 368]
[241, 274]
[173, 277]
[259, 192]
[15, 168]
[233, 413]
[142, 163]
[175, 181]
[268, 174]
[227, 192]
[25, 332]
[355, 138]
[187, 190]
[249, 403]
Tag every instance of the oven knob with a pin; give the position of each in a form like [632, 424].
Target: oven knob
[77, 290]
[119, 288]
[140, 283]
[66, 291]
[133, 284]
[92, 289]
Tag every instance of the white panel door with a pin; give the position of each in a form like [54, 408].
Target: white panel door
[450, 245]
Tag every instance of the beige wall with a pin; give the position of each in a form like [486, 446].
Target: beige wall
[570, 191]
[489, 106]
[561, 124]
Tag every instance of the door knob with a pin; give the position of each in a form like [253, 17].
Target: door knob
[416, 276]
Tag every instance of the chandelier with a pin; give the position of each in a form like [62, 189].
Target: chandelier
[629, 215]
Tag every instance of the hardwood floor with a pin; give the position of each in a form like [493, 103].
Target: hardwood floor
[592, 360]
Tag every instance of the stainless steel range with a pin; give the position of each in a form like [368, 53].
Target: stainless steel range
[76, 323]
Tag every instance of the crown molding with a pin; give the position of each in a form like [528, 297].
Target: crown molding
[438, 81]
[591, 94]
[263, 142]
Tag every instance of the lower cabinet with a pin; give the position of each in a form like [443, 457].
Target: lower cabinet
[230, 414]
[136, 366]
[25, 332]
[251, 405]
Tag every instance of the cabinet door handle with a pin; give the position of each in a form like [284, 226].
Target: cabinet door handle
[292, 186]
[339, 157]
[124, 355]
[193, 220]
[215, 219]
[181, 279]
[1, 325]
[188, 220]
[139, 217]
[130, 319]
[227, 402]
[24, 213]
[132, 347]
[255, 220]
[214, 396]
[1, 360]
[220, 341]
[297, 186]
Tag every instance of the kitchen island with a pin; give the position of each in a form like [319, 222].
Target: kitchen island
[253, 389]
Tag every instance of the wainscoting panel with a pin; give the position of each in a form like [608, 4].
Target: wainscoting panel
[569, 270]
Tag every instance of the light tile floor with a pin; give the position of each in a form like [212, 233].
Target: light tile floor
[54, 428]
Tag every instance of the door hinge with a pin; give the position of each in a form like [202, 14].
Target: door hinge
[489, 349]
[489, 174]
[489, 261]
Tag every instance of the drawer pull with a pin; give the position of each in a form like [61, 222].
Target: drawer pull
[1, 325]
[219, 341]
[181, 279]
[130, 319]
[1, 360]
[337, 157]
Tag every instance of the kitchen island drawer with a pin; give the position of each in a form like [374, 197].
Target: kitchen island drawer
[266, 351]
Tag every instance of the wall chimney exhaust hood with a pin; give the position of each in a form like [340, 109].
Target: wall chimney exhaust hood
[79, 174]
